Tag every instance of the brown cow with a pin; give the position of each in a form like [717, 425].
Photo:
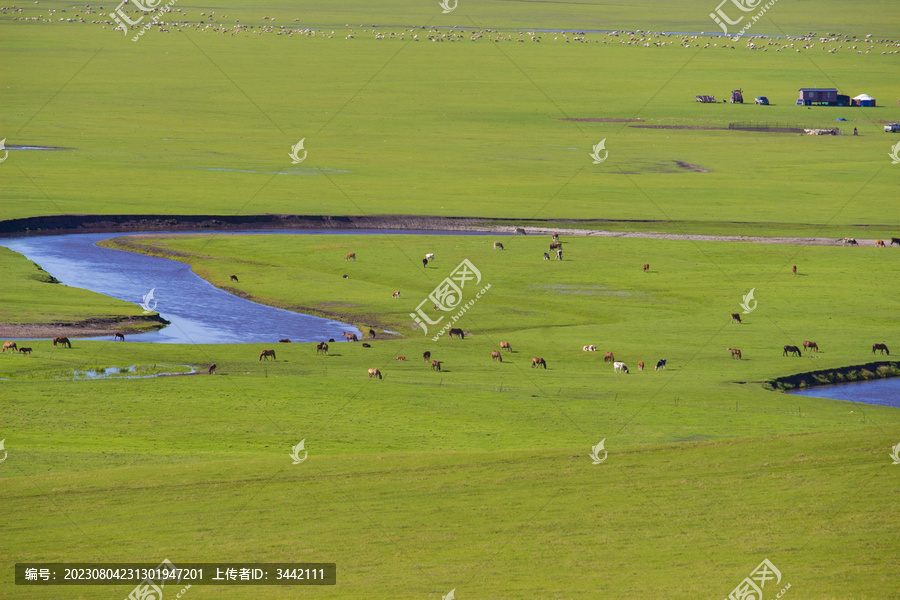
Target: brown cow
[881, 347]
[351, 256]
[401, 358]
[63, 341]
[609, 357]
[457, 332]
[375, 373]
[555, 237]
[24, 350]
[397, 294]
[879, 244]
[322, 347]
[266, 354]
[505, 346]
[792, 349]
[646, 267]
[735, 353]
[794, 269]
[640, 365]
[120, 336]
[234, 278]
[555, 245]
[435, 365]
[212, 369]
[537, 361]
[810, 346]
[351, 337]
[10, 346]
[426, 355]
[735, 317]
[495, 355]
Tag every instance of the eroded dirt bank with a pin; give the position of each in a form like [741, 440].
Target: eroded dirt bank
[86, 328]
[873, 370]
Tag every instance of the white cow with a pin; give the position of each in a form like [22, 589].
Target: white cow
[429, 257]
[590, 348]
[620, 367]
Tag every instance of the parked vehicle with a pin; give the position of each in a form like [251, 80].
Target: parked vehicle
[892, 128]
[762, 100]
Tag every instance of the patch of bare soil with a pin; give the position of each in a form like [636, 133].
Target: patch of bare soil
[693, 127]
[600, 120]
[691, 167]
[87, 328]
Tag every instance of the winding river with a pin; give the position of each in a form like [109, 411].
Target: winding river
[200, 312]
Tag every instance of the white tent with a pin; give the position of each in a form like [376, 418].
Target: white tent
[863, 97]
[863, 100]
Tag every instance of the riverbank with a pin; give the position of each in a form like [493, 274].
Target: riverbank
[868, 371]
[85, 328]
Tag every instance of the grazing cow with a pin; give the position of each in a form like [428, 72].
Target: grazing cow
[10, 346]
[498, 246]
[350, 256]
[619, 367]
[119, 336]
[559, 255]
[375, 373]
[266, 354]
[608, 357]
[646, 267]
[555, 237]
[495, 355]
[661, 364]
[322, 347]
[735, 317]
[365, 345]
[735, 353]
[435, 365]
[234, 278]
[429, 257]
[792, 349]
[555, 245]
[810, 346]
[794, 269]
[426, 355]
[401, 358]
[24, 350]
[284, 341]
[895, 241]
[537, 361]
[520, 230]
[397, 294]
[546, 256]
[424, 262]
[212, 369]
[881, 347]
[62, 341]
[455, 331]
[879, 244]
[351, 337]
[849, 241]
[640, 365]
[505, 346]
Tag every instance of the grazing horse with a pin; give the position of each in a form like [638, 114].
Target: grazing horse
[546, 256]
[735, 353]
[120, 336]
[365, 345]
[350, 256]
[505, 346]
[457, 332]
[608, 357]
[372, 333]
[792, 349]
[520, 230]
[881, 347]
[559, 255]
[895, 241]
[212, 369]
[266, 354]
[284, 341]
[640, 365]
[24, 350]
[375, 373]
[426, 355]
[424, 262]
[555, 245]
[322, 347]
[879, 244]
[619, 367]
[498, 246]
[234, 278]
[735, 317]
[495, 355]
[537, 361]
[401, 358]
[397, 294]
[435, 365]
[63, 341]
[661, 364]
[10, 346]
[646, 267]
[810, 346]
[794, 269]
[351, 337]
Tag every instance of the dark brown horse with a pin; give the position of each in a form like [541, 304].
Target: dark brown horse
[556, 245]
[435, 365]
[234, 278]
[457, 332]
[372, 333]
[365, 345]
[537, 361]
[881, 347]
[735, 317]
[266, 354]
[63, 341]
[212, 369]
[426, 355]
[322, 347]
[794, 350]
[24, 350]
[646, 267]
[284, 341]
[608, 357]
[120, 336]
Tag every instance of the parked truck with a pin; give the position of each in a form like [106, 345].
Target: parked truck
[892, 128]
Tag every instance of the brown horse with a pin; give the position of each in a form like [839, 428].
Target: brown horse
[10, 346]
[266, 354]
[284, 341]
[24, 350]
[120, 336]
[435, 365]
[212, 369]
[556, 245]
[608, 357]
[498, 246]
[401, 358]
[537, 361]
[375, 373]
[496, 356]
[372, 333]
[351, 337]
[810, 346]
[426, 355]
[64, 341]
[792, 349]
[646, 267]
[640, 365]
[794, 269]
[735, 317]
[505, 346]
[351, 256]
[234, 278]
[735, 353]
[322, 347]
[879, 243]
[457, 332]
[520, 230]
[365, 345]
[881, 347]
